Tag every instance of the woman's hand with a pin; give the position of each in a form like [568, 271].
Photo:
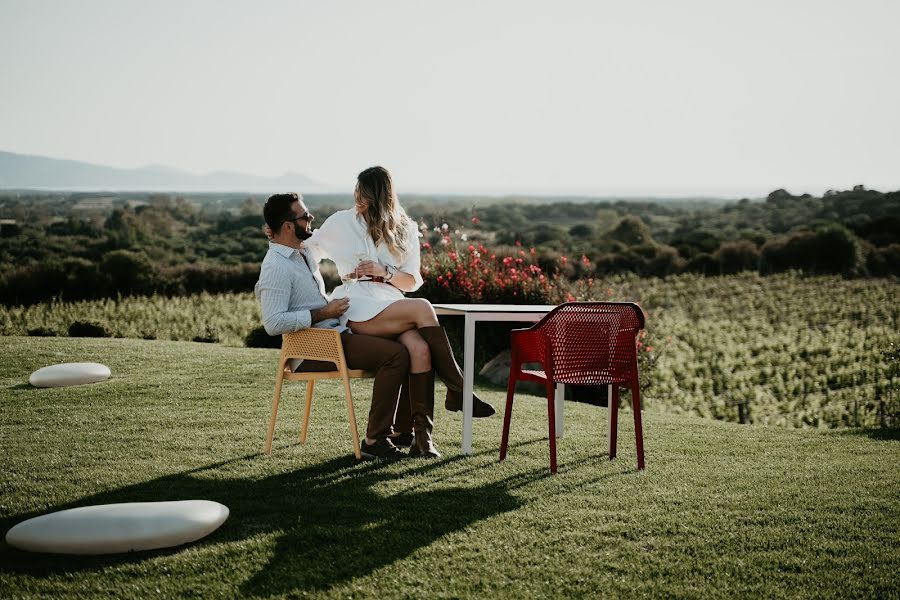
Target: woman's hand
[268, 231]
[369, 268]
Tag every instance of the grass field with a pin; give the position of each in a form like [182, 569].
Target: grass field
[722, 510]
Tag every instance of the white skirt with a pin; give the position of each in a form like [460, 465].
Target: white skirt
[367, 299]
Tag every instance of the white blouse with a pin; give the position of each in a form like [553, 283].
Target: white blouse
[344, 239]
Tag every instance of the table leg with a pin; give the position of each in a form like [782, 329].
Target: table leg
[610, 436]
[560, 396]
[468, 382]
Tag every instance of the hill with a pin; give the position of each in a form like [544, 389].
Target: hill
[22, 171]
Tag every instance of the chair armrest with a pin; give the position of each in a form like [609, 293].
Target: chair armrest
[528, 344]
[312, 344]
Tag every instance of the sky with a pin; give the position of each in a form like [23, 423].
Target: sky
[715, 97]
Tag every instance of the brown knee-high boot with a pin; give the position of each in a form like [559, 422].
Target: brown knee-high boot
[444, 364]
[421, 394]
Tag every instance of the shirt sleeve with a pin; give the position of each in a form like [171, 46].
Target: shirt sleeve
[412, 262]
[274, 292]
[326, 240]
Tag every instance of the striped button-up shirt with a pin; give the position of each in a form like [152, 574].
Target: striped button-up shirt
[289, 287]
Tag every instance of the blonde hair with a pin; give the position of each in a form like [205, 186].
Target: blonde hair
[386, 220]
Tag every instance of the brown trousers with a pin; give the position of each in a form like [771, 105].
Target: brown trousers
[389, 360]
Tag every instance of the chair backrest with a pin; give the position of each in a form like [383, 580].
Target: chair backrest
[591, 343]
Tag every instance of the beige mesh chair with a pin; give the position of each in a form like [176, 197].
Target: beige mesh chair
[315, 344]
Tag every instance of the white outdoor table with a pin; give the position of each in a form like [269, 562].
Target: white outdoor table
[474, 313]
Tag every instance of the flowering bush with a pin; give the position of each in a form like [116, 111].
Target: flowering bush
[455, 270]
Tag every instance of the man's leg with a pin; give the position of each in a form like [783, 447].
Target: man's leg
[389, 360]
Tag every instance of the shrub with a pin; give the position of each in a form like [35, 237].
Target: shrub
[737, 256]
[207, 337]
[631, 231]
[42, 332]
[88, 329]
[883, 262]
[259, 338]
[703, 263]
[128, 272]
[830, 249]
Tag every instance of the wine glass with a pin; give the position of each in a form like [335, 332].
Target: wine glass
[359, 256]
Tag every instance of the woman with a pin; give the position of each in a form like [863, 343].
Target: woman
[375, 247]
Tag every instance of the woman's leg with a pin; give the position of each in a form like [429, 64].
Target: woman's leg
[419, 353]
[421, 394]
[402, 315]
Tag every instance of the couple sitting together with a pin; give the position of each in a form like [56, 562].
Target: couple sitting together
[375, 247]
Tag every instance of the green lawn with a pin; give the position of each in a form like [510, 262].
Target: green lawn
[722, 510]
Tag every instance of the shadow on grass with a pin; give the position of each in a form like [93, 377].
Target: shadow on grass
[329, 524]
[891, 434]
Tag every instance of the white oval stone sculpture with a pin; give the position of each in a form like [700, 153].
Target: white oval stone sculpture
[69, 374]
[113, 528]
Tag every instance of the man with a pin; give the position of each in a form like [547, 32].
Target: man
[292, 297]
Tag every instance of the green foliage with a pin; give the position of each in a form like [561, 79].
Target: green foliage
[734, 257]
[83, 246]
[803, 351]
[88, 329]
[258, 337]
[631, 231]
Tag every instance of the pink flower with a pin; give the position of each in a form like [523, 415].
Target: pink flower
[474, 220]
[426, 246]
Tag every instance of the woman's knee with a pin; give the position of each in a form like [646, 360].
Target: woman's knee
[419, 351]
[425, 311]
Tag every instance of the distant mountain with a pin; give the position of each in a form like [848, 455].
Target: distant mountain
[22, 171]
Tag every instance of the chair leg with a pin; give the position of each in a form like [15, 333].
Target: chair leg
[279, 379]
[305, 425]
[507, 416]
[613, 400]
[638, 429]
[551, 418]
[351, 414]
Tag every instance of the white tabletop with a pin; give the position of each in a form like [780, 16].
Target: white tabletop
[445, 309]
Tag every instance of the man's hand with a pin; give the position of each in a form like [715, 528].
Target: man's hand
[332, 310]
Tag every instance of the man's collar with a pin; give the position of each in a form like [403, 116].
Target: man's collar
[281, 249]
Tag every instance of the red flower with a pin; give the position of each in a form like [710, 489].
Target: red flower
[584, 259]
[570, 298]
[426, 246]
[518, 243]
[649, 348]
[474, 220]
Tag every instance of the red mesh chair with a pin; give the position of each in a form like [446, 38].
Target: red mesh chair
[580, 343]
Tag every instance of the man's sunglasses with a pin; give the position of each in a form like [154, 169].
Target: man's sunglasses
[305, 216]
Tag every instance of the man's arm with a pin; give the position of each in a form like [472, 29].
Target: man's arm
[274, 293]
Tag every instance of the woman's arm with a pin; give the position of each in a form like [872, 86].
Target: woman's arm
[406, 277]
